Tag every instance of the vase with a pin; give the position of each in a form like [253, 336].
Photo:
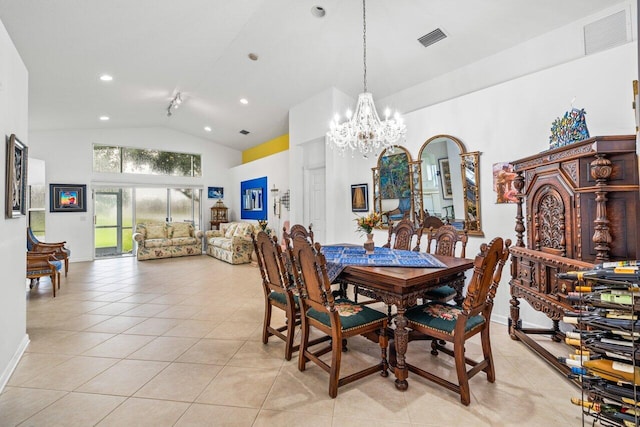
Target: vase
[369, 245]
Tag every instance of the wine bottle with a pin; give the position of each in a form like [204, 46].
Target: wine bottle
[604, 408]
[603, 273]
[612, 264]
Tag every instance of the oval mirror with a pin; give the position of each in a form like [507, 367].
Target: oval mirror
[393, 186]
[449, 178]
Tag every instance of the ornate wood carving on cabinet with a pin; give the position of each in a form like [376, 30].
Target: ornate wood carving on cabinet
[577, 205]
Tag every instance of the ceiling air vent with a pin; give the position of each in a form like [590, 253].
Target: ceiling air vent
[244, 132]
[433, 37]
[606, 33]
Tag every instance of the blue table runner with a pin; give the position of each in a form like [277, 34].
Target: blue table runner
[340, 256]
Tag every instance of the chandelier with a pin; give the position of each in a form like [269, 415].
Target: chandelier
[363, 130]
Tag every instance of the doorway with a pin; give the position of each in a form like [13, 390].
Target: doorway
[315, 211]
[113, 221]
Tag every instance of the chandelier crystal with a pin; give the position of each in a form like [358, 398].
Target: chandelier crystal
[363, 130]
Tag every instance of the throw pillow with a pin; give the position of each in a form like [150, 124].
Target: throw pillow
[243, 230]
[156, 232]
[181, 230]
[230, 230]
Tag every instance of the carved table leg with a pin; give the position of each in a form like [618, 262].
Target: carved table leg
[514, 320]
[400, 339]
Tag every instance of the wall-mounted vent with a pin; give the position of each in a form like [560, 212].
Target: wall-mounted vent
[433, 37]
[606, 33]
[244, 132]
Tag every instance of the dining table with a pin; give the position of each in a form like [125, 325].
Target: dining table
[402, 286]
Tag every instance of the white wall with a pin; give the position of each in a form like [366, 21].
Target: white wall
[275, 168]
[13, 119]
[68, 155]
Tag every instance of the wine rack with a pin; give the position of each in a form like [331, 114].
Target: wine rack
[606, 361]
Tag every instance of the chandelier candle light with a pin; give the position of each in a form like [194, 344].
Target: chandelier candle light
[363, 130]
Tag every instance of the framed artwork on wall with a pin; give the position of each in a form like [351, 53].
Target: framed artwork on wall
[445, 178]
[253, 196]
[215, 193]
[359, 198]
[503, 176]
[67, 198]
[16, 178]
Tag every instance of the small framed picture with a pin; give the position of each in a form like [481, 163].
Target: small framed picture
[67, 198]
[215, 193]
[359, 198]
[16, 179]
[253, 196]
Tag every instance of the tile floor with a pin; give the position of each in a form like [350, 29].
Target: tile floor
[177, 342]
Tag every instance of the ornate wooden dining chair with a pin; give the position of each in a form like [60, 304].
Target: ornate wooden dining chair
[402, 233]
[299, 230]
[445, 239]
[43, 265]
[456, 324]
[337, 319]
[58, 249]
[278, 292]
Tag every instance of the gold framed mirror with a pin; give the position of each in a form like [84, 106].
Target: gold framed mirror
[449, 185]
[396, 186]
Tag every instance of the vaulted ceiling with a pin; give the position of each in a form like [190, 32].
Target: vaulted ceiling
[155, 48]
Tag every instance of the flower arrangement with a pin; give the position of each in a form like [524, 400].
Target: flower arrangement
[366, 224]
[263, 223]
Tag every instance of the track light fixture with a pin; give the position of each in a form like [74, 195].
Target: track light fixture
[175, 103]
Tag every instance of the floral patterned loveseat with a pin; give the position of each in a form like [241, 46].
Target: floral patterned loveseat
[167, 240]
[232, 243]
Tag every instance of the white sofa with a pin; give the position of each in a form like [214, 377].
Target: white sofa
[167, 240]
[231, 243]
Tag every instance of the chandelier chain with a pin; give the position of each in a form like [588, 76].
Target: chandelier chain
[363, 130]
[364, 41]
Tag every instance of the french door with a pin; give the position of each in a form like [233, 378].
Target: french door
[113, 221]
[117, 210]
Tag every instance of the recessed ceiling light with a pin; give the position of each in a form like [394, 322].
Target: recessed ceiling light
[104, 118]
[318, 11]
[207, 128]
[244, 101]
[106, 78]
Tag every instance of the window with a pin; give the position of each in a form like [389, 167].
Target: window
[116, 159]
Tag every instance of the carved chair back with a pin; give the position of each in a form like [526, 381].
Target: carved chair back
[446, 239]
[312, 279]
[403, 231]
[270, 263]
[299, 230]
[487, 271]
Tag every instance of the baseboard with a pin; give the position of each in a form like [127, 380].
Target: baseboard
[4, 378]
[504, 320]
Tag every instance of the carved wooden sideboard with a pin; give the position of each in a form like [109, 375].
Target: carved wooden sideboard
[577, 205]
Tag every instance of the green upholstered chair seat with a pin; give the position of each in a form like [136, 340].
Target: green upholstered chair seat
[352, 315]
[442, 293]
[282, 299]
[441, 317]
